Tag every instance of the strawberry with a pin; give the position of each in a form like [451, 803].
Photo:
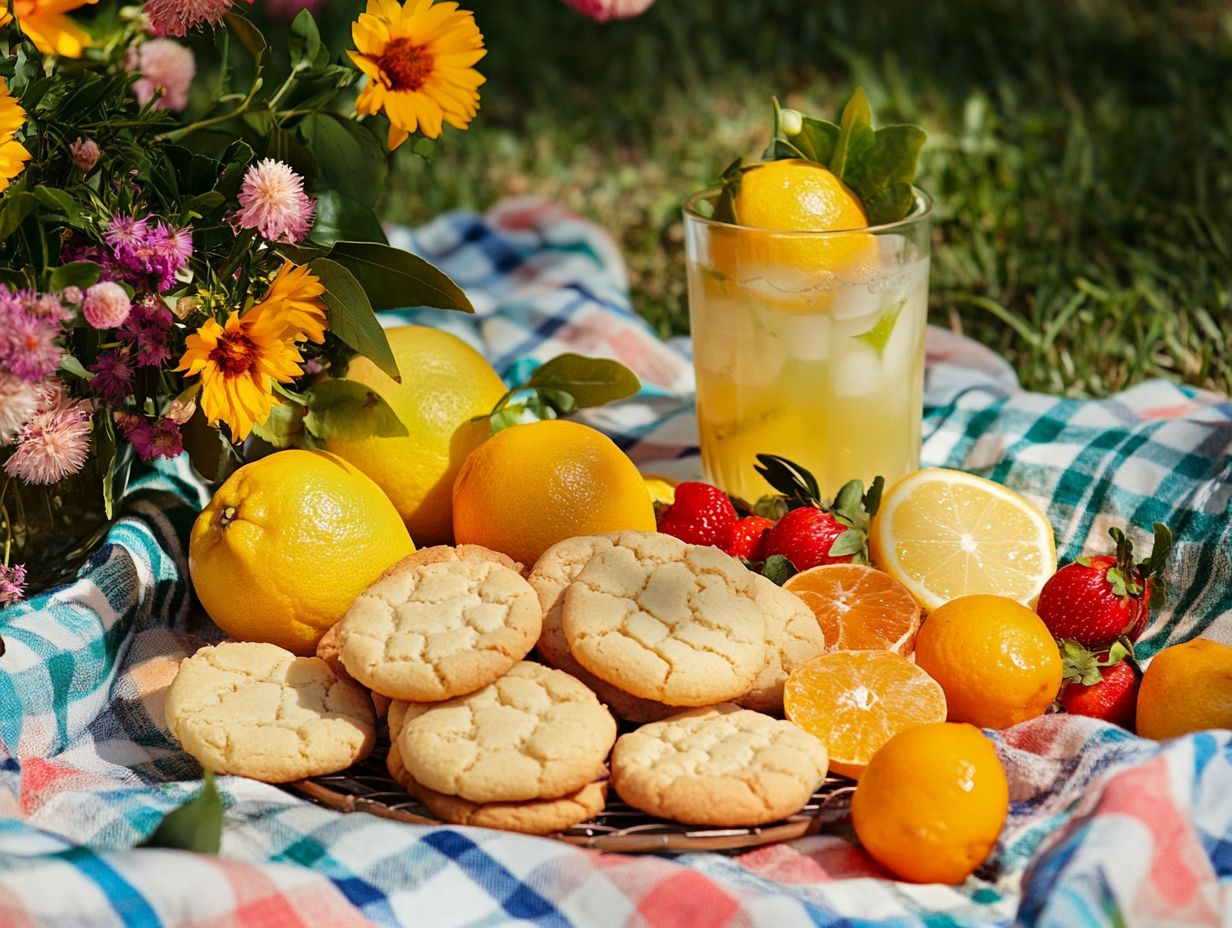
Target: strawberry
[700, 515]
[744, 540]
[1102, 686]
[811, 533]
[1096, 600]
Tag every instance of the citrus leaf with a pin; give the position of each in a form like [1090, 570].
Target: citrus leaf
[305, 41]
[589, 381]
[397, 279]
[285, 426]
[195, 826]
[348, 411]
[855, 138]
[350, 159]
[351, 317]
[14, 208]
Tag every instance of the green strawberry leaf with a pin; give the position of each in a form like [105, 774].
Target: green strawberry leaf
[797, 486]
[195, 826]
[778, 569]
[872, 499]
[1159, 551]
[1159, 593]
[850, 542]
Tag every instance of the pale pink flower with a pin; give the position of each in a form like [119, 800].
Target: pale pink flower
[273, 202]
[28, 346]
[604, 10]
[106, 305]
[167, 69]
[71, 295]
[176, 17]
[52, 444]
[19, 400]
[85, 153]
[12, 586]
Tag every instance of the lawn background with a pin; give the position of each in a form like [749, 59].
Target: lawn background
[1080, 154]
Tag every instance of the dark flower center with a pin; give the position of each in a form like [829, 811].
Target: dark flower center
[235, 353]
[407, 66]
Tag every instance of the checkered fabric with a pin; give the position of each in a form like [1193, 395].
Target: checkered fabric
[1104, 829]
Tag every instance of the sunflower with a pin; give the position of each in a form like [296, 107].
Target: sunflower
[418, 57]
[44, 23]
[294, 299]
[13, 155]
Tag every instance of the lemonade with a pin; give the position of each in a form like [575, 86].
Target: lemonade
[808, 345]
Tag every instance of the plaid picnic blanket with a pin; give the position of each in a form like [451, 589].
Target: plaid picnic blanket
[1104, 829]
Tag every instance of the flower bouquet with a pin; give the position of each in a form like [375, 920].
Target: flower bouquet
[189, 254]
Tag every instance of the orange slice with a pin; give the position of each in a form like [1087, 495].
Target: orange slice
[856, 701]
[859, 607]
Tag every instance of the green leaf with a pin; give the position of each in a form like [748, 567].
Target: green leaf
[778, 569]
[209, 451]
[351, 317]
[848, 500]
[249, 36]
[1159, 550]
[284, 146]
[883, 176]
[890, 205]
[396, 279]
[872, 499]
[195, 826]
[505, 417]
[855, 138]
[879, 335]
[106, 449]
[14, 208]
[729, 181]
[350, 159]
[63, 202]
[339, 218]
[589, 381]
[80, 274]
[850, 542]
[305, 41]
[349, 411]
[70, 365]
[284, 428]
[797, 485]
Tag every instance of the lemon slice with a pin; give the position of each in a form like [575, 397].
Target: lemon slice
[944, 534]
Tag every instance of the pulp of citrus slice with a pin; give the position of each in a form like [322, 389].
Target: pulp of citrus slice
[945, 533]
[859, 607]
[856, 701]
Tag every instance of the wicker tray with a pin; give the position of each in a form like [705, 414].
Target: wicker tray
[368, 787]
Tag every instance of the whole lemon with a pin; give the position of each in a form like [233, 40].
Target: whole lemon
[931, 802]
[994, 657]
[530, 486]
[445, 384]
[1186, 687]
[286, 545]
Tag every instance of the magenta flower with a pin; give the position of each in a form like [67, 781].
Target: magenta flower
[167, 70]
[85, 154]
[19, 400]
[52, 444]
[28, 346]
[125, 234]
[155, 440]
[166, 250]
[113, 375]
[605, 10]
[106, 305]
[147, 332]
[12, 584]
[177, 17]
[273, 202]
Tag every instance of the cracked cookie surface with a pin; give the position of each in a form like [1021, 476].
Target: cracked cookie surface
[676, 626]
[536, 733]
[793, 637]
[259, 711]
[432, 631]
[552, 574]
[723, 766]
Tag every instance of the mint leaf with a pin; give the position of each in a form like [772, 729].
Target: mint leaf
[589, 381]
[778, 569]
[879, 335]
[195, 826]
[347, 410]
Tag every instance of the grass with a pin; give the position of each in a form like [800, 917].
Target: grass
[1080, 155]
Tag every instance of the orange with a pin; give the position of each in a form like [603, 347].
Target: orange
[859, 607]
[530, 486]
[995, 658]
[946, 533]
[932, 802]
[855, 701]
[286, 545]
[445, 384]
[788, 196]
[1186, 687]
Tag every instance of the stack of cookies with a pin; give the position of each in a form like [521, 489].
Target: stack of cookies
[678, 638]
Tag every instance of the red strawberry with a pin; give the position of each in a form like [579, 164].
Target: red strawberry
[1102, 686]
[1096, 600]
[745, 538]
[700, 515]
[806, 536]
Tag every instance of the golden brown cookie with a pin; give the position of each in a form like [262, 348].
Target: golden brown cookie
[724, 766]
[443, 554]
[793, 637]
[536, 733]
[257, 710]
[430, 632]
[678, 627]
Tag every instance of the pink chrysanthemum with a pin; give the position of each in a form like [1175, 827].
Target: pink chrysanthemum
[106, 305]
[52, 444]
[19, 400]
[604, 10]
[177, 17]
[125, 234]
[273, 202]
[28, 346]
[12, 585]
[155, 440]
[167, 69]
